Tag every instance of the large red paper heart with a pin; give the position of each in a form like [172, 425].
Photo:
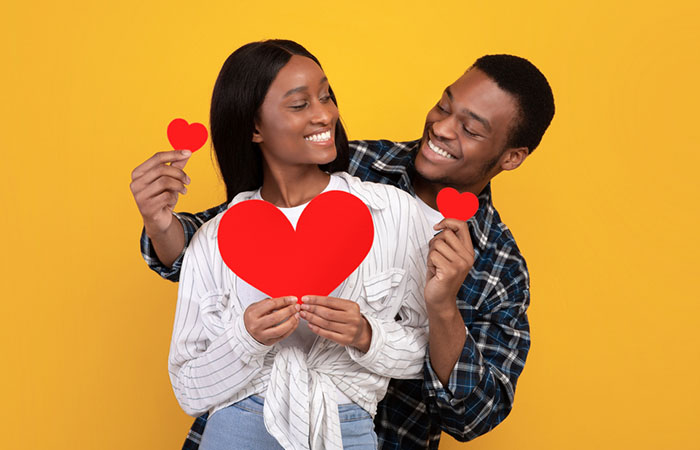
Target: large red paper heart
[454, 205]
[333, 235]
[184, 136]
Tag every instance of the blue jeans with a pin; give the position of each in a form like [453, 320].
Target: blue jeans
[241, 427]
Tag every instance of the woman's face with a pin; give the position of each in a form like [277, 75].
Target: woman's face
[296, 122]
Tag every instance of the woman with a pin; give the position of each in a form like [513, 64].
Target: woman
[272, 373]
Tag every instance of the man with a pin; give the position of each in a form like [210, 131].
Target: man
[477, 292]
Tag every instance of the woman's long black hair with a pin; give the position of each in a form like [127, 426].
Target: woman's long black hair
[238, 94]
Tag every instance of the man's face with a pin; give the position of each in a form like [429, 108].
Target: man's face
[466, 133]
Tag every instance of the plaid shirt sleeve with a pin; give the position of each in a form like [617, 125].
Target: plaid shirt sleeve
[480, 391]
[190, 223]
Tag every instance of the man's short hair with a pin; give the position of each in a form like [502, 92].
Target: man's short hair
[520, 78]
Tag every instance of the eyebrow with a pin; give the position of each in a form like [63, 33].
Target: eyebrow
[469, 113]
[302, 88]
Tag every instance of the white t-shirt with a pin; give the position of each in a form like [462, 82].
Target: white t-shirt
[432, 215]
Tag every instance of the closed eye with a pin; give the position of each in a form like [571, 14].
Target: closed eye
[470, 133]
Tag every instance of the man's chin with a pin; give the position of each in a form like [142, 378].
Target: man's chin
[430, 172]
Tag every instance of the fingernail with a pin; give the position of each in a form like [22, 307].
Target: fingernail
[184, 190]
[186, 153]
[304, 306]
[296, 315]
[305, 298]
[187, 179]
[297, 306]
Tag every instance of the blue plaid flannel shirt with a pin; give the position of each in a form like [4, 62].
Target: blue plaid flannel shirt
[493, 301]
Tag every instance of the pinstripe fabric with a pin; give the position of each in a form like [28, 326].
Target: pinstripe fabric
[493, 301]
[214, 362]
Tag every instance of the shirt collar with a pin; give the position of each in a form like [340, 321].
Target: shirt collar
[396, 163]
[355, 186]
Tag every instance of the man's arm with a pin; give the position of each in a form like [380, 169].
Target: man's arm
[188, 224]
[156, 185]
[450, 259]
[479, 391]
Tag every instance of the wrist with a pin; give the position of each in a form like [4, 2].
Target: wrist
[156, 230]
[365, 339]
[444, 313]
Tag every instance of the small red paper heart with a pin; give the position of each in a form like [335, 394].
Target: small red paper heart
[454, 205]
[333, 236]
[184, 136]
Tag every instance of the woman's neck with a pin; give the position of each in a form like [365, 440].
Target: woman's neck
[292, 186]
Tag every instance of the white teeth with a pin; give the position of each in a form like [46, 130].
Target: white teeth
[438, 150]
[320, 137]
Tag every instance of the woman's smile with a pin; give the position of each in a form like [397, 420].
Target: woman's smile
[321, 138]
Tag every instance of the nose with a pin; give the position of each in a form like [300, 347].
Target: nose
[323, 112]
[445, 128]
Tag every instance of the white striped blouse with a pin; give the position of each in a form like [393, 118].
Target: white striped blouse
[214, 361]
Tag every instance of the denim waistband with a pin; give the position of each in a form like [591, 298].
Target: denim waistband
[348, 412]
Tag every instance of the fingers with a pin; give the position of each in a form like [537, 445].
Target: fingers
[328, 334]
[458, 227]
[169, 199]
[154, 178]
[322, 322]
[340, 316]
[268, 305]
[439, 263]
[340, 304]
[450, 247]
[180, 163]
[455, 243]
[459, 262]
[162, 184]
[272, 319]
[161, 158]
[276, 317]
[161, 171]
[281, 331]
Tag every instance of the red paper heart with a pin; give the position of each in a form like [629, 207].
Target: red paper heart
[184, 136]
[454, 205]
[333, 236]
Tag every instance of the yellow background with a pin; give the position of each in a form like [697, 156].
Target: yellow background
[606, 210]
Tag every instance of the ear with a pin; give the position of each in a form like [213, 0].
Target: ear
[513, 157]
[257, 137]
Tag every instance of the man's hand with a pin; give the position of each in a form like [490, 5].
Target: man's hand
[156, 185]
[450, 258]
[337, 319]
[271, 320]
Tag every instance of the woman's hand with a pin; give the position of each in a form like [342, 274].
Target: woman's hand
[338, 320]
[271, 320]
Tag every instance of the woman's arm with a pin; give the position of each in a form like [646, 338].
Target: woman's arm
[212, 356]
[398, 344]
